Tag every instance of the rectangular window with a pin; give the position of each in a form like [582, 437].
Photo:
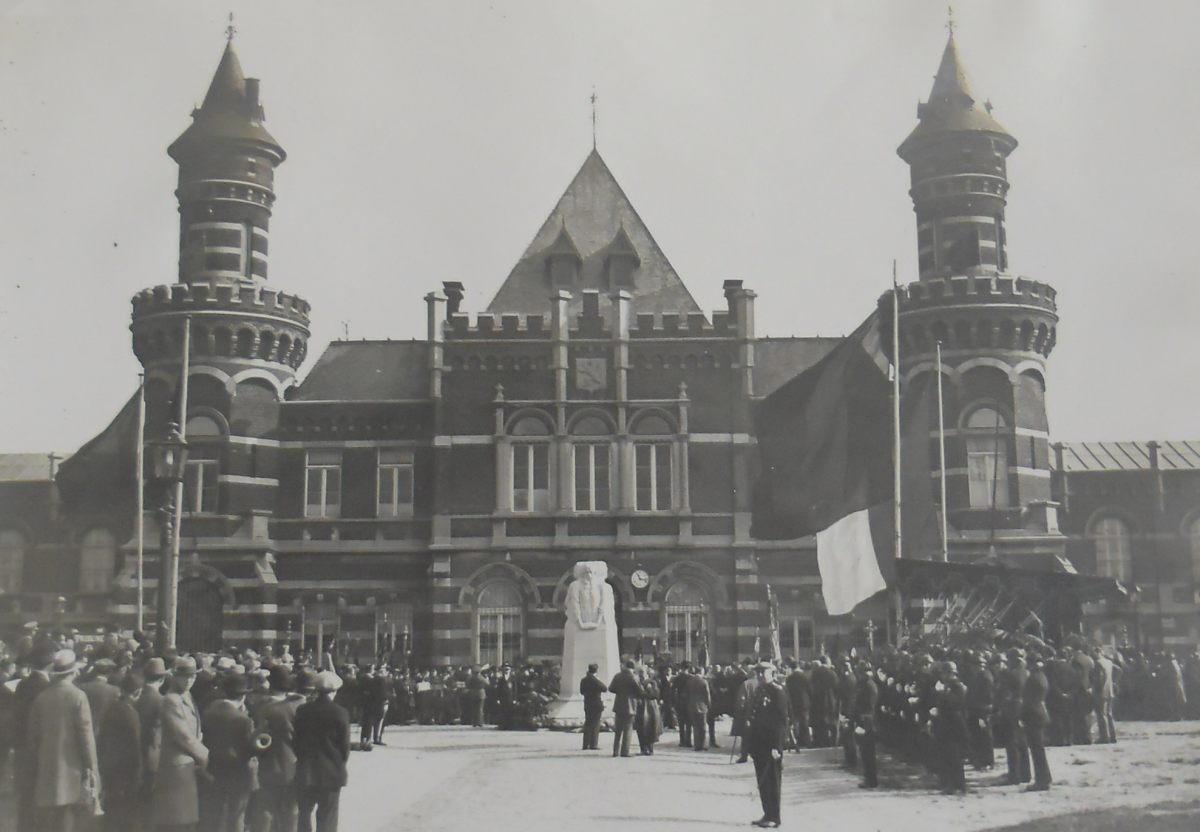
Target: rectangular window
[499, 637]
[531, 477]
[395, 483]
[591, 478]
[797, 637]
[200, 482]
[323, 484]
[987, 483]
[653, 473]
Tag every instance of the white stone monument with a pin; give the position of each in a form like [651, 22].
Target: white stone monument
[589, 637]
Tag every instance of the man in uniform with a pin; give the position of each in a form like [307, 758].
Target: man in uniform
[766, 737]
[1010, 688]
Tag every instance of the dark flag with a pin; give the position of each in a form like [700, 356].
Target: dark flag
[825, 448]
[105, 469]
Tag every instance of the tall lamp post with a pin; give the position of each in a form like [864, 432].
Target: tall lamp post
[170, 460]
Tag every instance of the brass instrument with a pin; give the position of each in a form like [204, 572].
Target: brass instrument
[262, 742]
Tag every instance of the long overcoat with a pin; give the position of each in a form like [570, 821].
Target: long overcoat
[174, 799]
[322, 742]
[61, 737]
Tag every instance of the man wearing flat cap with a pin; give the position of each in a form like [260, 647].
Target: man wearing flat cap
[322, 749]
[765, 738]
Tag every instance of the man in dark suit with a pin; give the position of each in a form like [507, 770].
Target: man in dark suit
[699, 700]
[628, 691]
[24, 756]
[863, 718]
[229, 737]
[1034, 719]
[766, 737]
[1010, 688]
[592, 690]
[322, 743]
[823, 713]
[679, 692]
[273, 806]
[800, 696]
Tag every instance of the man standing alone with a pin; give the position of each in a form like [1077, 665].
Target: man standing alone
[592, 690]
[766, 737]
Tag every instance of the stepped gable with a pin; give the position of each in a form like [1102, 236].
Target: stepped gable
[779, 360]
[367, 371]
[595, 214]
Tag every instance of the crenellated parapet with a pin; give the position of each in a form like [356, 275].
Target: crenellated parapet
[985, 313]
[235, 320]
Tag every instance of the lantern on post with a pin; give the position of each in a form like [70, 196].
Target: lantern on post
[169, 458]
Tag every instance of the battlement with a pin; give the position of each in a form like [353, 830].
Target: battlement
[487, 326]
[232, 297]
[981, 290]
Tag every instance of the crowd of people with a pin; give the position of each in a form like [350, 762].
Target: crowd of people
[240, 739]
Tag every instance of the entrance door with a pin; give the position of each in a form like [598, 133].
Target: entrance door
[201, 616]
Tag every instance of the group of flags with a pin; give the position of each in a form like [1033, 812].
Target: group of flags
[826, 451]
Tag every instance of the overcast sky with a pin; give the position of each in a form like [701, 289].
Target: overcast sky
[428, 142]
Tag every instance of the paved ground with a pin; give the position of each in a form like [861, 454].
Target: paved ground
[484, 780]
[462, 779]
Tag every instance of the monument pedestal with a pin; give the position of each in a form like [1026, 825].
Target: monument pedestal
[567, 712]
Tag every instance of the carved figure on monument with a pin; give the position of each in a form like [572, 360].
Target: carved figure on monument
[590, 630]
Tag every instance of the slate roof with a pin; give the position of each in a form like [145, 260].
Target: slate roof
[367, 371]
[226, 112]
[594, 211]
[779, 360]
[1175, 455]
[951, 107]
[26, 467]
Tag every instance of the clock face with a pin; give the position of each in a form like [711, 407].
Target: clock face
[639, 579]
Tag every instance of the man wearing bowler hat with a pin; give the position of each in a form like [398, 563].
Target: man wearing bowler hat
[229, 737]
[61, 738]
[174, 798]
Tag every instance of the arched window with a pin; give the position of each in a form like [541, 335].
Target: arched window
[987, 458]
[1114, 550]
[530, 451]
[97, 560]
[12, 560]
[591, 441]
[654, 469]
[499, 623]
[685, 622]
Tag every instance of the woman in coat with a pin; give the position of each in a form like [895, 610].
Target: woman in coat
[63, 745]
[174, 799]
[648, 718]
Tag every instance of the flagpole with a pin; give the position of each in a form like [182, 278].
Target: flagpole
[177, 531]
[899, 553]
[942, 455]
[139, 619]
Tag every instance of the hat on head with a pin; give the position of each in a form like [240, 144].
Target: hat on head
[31, 625]
[327, 681]
[305, 679]
[156, 668]
[132, 682]
[765, 666]
[235, 686]
[225, 663]
[280, 678]
[630, 664]
[593, 667]
[105, 665]
[184, 666]
[64, 662]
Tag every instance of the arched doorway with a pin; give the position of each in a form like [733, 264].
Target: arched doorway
[685, 622]
[499, 624]
[201, 616]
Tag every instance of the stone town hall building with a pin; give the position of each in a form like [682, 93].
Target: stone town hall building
[434, 494]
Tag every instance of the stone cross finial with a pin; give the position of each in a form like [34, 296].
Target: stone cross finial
[230, 30]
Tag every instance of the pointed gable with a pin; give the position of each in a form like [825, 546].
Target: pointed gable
[597, 219]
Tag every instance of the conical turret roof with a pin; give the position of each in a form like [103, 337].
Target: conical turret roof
[951, 107]
[594, 214]
[227, 113]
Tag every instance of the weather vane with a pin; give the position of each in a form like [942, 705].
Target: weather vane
[230, 30]
[949, 22]
[593, 118]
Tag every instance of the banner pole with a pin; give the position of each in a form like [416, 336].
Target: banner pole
[139, 619]
[942, 455]
[899, 543]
